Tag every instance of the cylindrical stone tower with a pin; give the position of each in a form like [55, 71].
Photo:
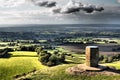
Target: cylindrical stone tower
[92, 56]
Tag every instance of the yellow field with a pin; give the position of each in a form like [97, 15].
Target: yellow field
[20, 62]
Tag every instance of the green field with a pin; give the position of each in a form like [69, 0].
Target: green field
[58, 73]
[18, 63]
[23, 62]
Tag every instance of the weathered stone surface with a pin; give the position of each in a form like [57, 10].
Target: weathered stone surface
[82, 69]
[92, 56]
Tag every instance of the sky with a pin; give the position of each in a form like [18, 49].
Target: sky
[26, 12]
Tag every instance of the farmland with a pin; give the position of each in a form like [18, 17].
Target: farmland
[19, 54]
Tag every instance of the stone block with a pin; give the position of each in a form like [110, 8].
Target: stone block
[92, 56]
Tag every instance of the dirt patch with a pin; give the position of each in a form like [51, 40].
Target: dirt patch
[92, 71]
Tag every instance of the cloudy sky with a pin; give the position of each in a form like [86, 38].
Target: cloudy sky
[26, 12]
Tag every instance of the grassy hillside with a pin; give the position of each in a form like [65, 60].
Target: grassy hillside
[58, 73]
[18, 63]
[23, 62]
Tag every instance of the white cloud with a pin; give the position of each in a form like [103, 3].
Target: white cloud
[24, 16]
[118, 1]
[11, 3]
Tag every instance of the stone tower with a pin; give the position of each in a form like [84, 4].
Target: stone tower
[92, 56]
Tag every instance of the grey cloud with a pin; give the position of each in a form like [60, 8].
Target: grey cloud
[44, 3]
[56, 10]
[70, 10]
[118, 1]
[99, 9]
[51, 4]
[73, 7]
[90, 9]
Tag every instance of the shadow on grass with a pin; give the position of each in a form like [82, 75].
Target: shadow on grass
[113, 70]
[71, 62]
[6, 55]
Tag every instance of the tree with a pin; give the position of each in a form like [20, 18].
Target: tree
[44, 57]
[51, 59]
[39, 50]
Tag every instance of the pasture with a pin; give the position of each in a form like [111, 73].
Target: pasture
[20, 62]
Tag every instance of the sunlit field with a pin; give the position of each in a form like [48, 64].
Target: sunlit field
[18, 63]
[58, 73]
[23, 62]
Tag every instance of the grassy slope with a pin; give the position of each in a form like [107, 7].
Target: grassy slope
[20, 62]
[23, 62]
[114, 64]
[58, 73]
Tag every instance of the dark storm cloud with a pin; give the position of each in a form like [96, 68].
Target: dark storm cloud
[110, 14]
[66, 10]
[44, 3]
[73, 7]
[90, 9]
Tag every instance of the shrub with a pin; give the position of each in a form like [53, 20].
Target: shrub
[53, 58]
[105, 60]
[44, 57]
[4, 52]
[49, 63]
[101, 57]
[62, 58]
[38, 50]
[109, 59]
[56, 52]
[26, 48]
[50, 59]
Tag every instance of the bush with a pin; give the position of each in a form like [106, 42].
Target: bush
[26, 48]
[62, 58]
[38, 50]
[49, 63]
[44, 57]
[101, 57]
[4, 52]
[53, 58]
[109, 59]
[105, 60]
[50, 59]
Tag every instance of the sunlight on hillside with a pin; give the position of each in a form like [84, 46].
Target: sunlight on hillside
[15, 65]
